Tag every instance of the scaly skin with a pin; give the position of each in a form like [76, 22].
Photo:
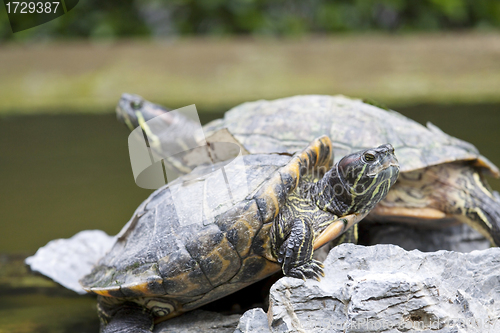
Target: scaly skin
[353, 186]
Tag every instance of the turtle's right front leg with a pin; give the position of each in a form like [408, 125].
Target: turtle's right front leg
[128, 317]
[296, 250]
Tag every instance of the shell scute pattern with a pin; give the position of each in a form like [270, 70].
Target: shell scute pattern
[254, 268]
[184, 266]
[241, 232]
[144, 280]
[182, 275]
[153, 285]
[270, 198]
[221, 262]
[261, 244]
[157, 255]
[301, 119]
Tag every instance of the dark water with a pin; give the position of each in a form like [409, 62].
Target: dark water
[65, 173]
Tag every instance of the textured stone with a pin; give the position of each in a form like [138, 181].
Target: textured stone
[253, 321]
[66, 261]
[384, 288]
[199, 321]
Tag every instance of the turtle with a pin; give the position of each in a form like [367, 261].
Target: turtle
[165, 262]
[442, 177]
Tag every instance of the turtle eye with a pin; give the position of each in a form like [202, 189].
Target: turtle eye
[136, 105]
[369, 157]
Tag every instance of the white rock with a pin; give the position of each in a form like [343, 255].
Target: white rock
[384, 288]
[66, 261]
[253, 321]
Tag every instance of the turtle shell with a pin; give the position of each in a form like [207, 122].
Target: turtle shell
[351, 124]
[201, 237]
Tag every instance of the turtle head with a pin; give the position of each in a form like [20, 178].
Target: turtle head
[366, 177]
[133, 109]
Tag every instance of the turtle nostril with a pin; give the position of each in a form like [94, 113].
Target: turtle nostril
[389, 147]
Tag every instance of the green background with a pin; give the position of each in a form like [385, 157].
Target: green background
[113, 18]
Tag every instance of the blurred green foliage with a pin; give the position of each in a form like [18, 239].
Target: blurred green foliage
[129, 18]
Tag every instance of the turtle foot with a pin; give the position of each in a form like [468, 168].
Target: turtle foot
[311, 270]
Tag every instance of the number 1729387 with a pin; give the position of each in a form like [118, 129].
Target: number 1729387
[24, 7]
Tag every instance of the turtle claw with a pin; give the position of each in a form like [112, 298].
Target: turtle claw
[295, 253]
[311, 270]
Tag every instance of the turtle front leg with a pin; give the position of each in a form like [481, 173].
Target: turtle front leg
[296, 252]
[127, 318]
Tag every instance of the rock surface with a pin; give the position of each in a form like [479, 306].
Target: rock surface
[199, 321]
[384, 288]
[253, 321]
[380, 288]
[66, 261]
